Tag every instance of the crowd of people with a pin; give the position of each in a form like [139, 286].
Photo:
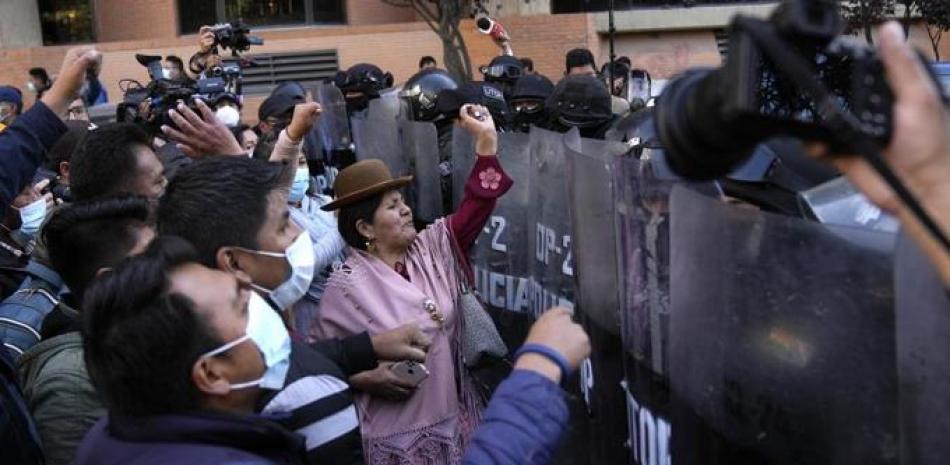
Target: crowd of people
[184, 292]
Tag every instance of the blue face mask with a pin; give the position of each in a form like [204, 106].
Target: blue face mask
[32, 216]
[301, 183]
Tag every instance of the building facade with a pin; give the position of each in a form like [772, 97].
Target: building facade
[661, 39]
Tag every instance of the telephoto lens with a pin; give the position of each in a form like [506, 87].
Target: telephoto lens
[700, 143]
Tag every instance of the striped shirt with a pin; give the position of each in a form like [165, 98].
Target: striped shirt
[321, 409]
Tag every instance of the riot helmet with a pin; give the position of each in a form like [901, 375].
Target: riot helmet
[360, 84]
[527, 101]
[502, 72]
[478, 93]
[580, 101]
[421, 93]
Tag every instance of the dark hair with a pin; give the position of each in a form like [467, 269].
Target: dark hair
[40, 73]
[177, 61]
[84, 237]
[363, 210]
[106, 163]
[265, 146]
[140, 340]
[426, 60]
[579, 57]
[67, 144]
[527, 64]
[219, 202]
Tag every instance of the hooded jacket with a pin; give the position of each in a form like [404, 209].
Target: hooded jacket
[60, 395]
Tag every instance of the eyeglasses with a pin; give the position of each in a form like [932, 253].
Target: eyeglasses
[502, 71]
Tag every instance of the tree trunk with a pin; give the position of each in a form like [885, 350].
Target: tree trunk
[454, 50]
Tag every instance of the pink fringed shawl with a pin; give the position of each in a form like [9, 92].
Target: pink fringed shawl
[433, 426]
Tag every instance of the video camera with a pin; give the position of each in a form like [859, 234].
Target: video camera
[791, 75]
[161, 95]
[235, 36]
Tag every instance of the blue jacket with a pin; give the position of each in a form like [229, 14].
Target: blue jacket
[200, 438]
[23, 147]
[523, 423]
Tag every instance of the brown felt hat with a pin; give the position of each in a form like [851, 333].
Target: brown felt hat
[362, 180]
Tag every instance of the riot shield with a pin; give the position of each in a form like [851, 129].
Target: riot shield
[421, 148]
[781, 338]
[593, 214]
[379, 138]
[331, 137]
[463, 160]
[549, 238]
[923, 355]
[838, 202]
[387, 105]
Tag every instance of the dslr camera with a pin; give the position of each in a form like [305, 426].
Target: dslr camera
[234, 36]
[791, 75]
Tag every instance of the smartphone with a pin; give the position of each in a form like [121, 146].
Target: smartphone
[410, 372]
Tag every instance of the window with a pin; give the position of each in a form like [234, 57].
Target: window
[66, 21]
[193, 14]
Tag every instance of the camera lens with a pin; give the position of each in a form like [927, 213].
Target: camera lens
[692, 123]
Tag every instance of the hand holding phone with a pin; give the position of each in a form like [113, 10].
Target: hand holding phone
[410, 372]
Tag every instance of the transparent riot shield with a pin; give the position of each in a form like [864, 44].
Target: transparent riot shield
[923, 355]
[781, 338]
[549, 238]
[419, 143]
[331, 137]
[463, 159]
[379, 138]
[387, 105]
[593, 214]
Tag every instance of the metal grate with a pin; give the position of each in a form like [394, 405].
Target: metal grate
[722, 43]
[308, 67]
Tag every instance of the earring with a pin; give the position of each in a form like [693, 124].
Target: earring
[371, 245]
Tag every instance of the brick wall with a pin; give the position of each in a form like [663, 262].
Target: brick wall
[118, 20]
[364, 12]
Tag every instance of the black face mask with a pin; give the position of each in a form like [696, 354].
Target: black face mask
[356, 104]
[523, 120]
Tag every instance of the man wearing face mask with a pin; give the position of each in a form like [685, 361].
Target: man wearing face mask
[360, 84]
[227, 110]
[11, 105]
[234, 211]
[18, 229]
[583, 102]
[199, 349]
[527, 101]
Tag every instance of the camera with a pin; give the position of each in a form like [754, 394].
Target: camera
[791, 75]
[234, 36]
[149, 105]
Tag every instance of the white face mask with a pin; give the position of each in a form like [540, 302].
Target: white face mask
[301, 258]
[269, 334]
[228, 115]
[31, 87]
[32, 216]
[166, 73]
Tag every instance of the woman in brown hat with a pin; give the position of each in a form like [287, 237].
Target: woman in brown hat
[395, 276]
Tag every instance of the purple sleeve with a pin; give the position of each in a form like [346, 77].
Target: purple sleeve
[523, 423]
[487, 182]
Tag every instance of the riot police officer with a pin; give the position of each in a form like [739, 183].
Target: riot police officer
[528, 102]
[360, 84]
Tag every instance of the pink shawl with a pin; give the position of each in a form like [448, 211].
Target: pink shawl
[433, 426]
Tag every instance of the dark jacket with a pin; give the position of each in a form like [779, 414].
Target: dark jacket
[522, 425]
[22, 148]
[197, 438]
[60, 395]
[19, 442]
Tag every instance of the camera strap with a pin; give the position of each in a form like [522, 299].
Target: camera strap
[842, 122]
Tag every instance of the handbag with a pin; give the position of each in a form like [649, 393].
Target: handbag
[480, 337]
